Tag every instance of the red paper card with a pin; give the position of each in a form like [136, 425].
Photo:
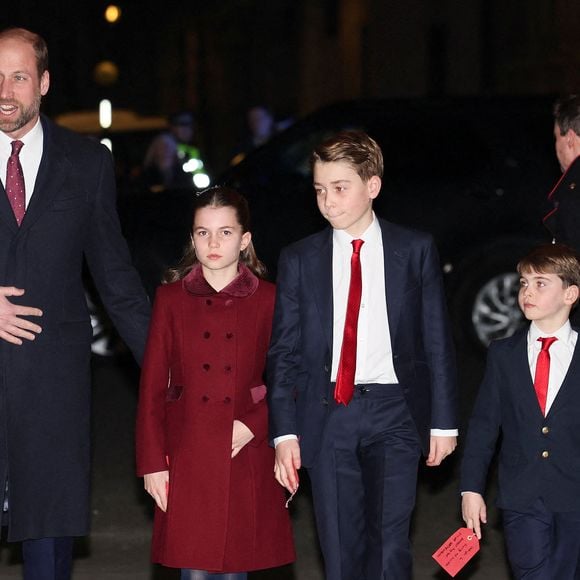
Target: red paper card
[457, 550]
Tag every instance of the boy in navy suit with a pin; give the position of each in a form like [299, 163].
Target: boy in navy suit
[531, 396]
[361, 368]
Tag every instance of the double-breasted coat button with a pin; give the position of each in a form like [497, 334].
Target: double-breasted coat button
[228, 368]
[206, 367]
[206, 334]
[227, 400]
[205, 398]
[545, 454]
[229, 335]
[208, 302]
[545, 430]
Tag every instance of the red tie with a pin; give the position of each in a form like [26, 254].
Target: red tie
[344, 389]
[543, 371]
[15, 182]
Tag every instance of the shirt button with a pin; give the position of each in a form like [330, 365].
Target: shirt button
[545, 430]
[545, 454]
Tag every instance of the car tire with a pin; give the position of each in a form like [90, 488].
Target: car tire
[485, 305]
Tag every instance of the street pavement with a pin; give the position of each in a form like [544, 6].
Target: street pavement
[118, 547]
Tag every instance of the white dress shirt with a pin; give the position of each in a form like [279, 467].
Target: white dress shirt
[30, 156]
[561, 353]
[374, 356]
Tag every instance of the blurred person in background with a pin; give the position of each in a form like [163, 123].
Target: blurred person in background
[563, 220]
[260, 128]
[172, 159]
[57, 209]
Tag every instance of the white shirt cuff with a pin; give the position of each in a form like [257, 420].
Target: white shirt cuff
[284, 438]
[444, 432]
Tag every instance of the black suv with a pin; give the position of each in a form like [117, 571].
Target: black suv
[473, 172]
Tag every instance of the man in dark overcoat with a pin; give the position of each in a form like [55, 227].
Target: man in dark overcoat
[563, 220]
[57, 208]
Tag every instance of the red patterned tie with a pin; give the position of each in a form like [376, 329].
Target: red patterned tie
[15, 182]
[344, 389]
[543, 371]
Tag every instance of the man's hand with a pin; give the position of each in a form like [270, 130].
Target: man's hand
[473, 511]
[241, 436]
[157, 486]
[287, 464]
[13, 328]
[440, 448]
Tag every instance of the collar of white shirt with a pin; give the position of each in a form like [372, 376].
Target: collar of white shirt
[343, 239]
[564, 334]
[31, 139]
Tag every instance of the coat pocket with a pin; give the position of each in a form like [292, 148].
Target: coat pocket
[173, 393]
[258, 393]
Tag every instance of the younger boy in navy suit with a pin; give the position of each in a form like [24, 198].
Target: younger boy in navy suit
[531, 395]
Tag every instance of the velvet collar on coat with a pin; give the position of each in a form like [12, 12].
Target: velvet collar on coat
[244, 284]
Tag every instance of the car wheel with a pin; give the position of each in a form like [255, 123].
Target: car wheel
[495, 312]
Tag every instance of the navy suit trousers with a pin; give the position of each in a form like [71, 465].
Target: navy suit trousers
[543, 545]
[364, 485]
[47, 558]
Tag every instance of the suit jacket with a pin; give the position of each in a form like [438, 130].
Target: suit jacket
[563, 221]
[45, 383]
[300, 355]
[539, 456]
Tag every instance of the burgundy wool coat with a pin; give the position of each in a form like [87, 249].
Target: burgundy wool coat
[203, 368]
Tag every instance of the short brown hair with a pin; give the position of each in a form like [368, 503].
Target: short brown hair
[567, 114]
[35, 40]
[355, 148]
[553, 259]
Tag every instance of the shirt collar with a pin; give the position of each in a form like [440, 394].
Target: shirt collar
[371, 235]
[33, 137]
[563, 334]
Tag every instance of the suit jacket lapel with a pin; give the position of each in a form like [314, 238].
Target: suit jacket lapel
[396, 258]
[569, 385]
[320, 275]
[52, 172]
[524, 383]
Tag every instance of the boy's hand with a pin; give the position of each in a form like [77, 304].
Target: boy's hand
[157, 486]
[287, 464]
[473, 511]
[440, 448]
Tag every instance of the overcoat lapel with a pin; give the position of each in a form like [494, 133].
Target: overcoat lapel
[6, 213]
[320, 277]
[52, 172]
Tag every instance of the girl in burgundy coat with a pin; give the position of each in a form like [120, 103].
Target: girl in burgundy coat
[202, 432]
